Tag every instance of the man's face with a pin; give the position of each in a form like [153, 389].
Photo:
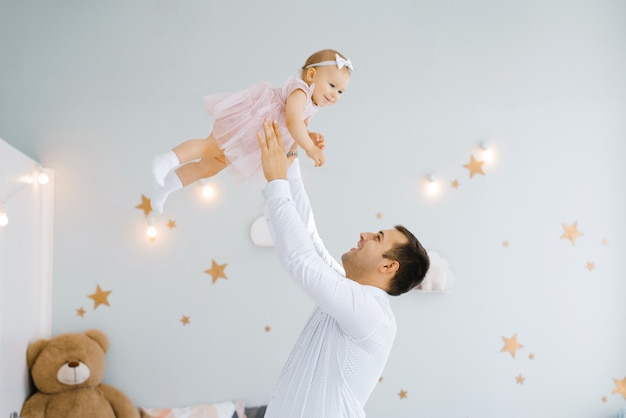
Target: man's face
[367, 256]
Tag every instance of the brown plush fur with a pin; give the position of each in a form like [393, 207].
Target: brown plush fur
[72, 356]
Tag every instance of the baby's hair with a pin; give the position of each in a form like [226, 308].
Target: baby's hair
[319, 56]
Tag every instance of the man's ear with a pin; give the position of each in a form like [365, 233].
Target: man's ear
[389, 266]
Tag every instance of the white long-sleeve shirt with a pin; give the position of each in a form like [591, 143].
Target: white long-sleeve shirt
[342, 350]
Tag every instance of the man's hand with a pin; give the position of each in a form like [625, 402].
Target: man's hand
[273, 154]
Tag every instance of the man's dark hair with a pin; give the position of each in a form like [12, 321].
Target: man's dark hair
[413, 260]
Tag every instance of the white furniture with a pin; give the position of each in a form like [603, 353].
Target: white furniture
[25, 270]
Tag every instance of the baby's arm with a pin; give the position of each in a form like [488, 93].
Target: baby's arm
[297, 128]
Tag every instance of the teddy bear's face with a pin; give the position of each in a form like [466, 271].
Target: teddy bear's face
[68, 361]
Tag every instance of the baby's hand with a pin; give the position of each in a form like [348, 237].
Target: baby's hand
[318, 139]
[317, 155]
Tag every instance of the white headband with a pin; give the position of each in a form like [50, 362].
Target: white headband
[339, 62]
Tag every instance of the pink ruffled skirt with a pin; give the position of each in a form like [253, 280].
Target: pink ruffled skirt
[237, 119]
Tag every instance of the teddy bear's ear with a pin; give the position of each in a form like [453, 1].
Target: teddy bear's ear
[99, 337]
[33, 351]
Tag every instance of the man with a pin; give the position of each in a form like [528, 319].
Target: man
[343, 348]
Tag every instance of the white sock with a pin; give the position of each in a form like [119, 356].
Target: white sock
[160, 193]
[163, 164]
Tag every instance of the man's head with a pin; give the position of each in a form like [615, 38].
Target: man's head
[391, 259]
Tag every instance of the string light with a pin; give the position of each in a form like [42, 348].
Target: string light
[4, 218]
[42, 176]
[151, 231]
[208, 191]
[486, 151]
[433, 187]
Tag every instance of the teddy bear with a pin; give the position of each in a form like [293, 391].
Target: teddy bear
[67, 371]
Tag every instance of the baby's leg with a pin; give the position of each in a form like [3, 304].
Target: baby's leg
[195, 149]
[184, 176]
[190, 150]
[196, 170]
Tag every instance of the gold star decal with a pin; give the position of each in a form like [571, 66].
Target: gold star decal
[80, 312]
[145, 205]
[268, 328]
[379, 215]
[605, 242]
[217, 271]
[531, 356]
[520, 379]
[455, 184]
[171, 224]
[185, 320]
[511, 345]
[620, 387]
[505, 244]
[571, 232]
[100, 297]
[590, 265]
[604, 399]
[402, 394]
[475, 167]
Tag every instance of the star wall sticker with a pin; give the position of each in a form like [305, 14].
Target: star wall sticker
[620, 387]
[379, 215]
[571, 232]
[268, 328]
[455, 184]
[605, 242]
[80, 312]
[171, 224]
[511, 345]
[100, 297]
[217, 271]
[145, 205]
[185, 320]
[531, 356]
[505, 244]
[604, 399]
[474, 166]
[520, 379]
[590, 265]
[402, 394]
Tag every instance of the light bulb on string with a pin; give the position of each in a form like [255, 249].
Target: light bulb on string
[4, 217]
[208, 191]
[487, 151]
[151, 231]
[42, 176]
[433, 186]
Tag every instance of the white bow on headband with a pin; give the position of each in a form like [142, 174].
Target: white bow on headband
[339, 62]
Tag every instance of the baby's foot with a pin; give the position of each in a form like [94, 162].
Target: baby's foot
[171, 183]
[158, 199]
[163, 164]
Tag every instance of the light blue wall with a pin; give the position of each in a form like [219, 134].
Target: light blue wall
[95, 89]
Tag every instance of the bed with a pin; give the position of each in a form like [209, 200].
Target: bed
[228, 409]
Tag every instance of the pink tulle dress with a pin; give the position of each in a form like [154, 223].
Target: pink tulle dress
[239, 116]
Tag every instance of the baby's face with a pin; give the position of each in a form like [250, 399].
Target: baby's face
[330, 84]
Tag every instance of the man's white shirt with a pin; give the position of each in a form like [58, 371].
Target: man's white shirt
[344, 346]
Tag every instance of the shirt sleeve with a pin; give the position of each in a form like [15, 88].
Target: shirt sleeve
[303, 206]
[354, 308]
